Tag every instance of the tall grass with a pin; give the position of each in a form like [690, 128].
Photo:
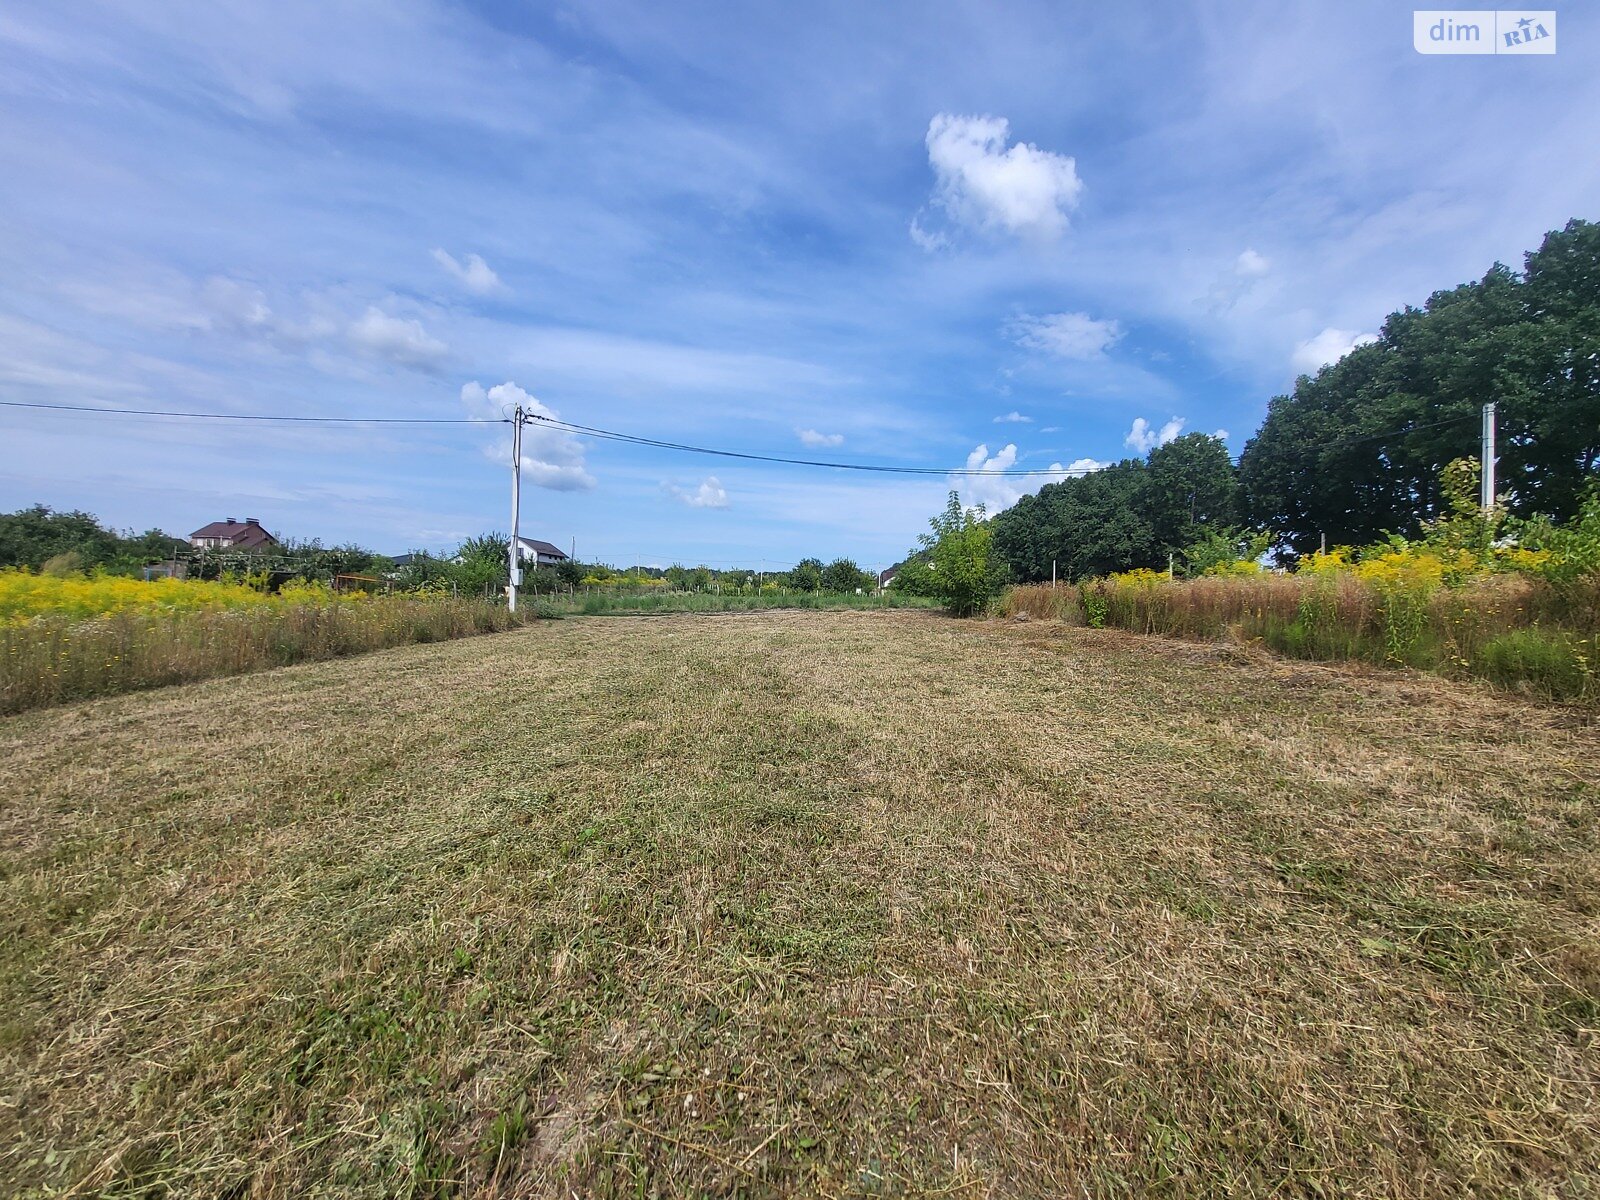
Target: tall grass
[55, 659]
[1042, 602]
[1518, 632]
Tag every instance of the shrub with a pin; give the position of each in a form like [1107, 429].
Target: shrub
[967, 576]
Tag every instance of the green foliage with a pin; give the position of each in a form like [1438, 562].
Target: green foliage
[1572, 551]
[1225, 550]
[1326, 461]
[842, 575]
[1554, 662]
[1096, 605]
[966, 574]
[915, 577]
[1129, 515]
[806, 575]
[32, 537]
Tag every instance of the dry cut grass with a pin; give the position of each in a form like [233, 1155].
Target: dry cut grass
[820, 904]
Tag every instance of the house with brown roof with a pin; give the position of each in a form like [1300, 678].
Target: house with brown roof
[232, 534]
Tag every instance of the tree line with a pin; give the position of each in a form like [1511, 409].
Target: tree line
[1358, 450]
[39, 538]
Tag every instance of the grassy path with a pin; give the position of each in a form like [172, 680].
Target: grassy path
[831, 904]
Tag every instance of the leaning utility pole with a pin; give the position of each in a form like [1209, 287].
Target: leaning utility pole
[1487, 499]
[513, 557]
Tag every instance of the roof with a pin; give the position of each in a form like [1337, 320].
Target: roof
[544, 548]
[238, 533]
[885, 576]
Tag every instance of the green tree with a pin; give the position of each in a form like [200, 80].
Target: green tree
[1218, 547]
[914, 577]
[966, 574]
[842, 575]
[30, 537]
[1359, 449]
[1086, 526]
[806, 575]
[1189, 484]
[482, 563]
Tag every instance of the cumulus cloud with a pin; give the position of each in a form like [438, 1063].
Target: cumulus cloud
[472, 273]
[551, 458]
[998, 491]
[1145, 437]
[1329, 346]
[1013, 418]
[397, 339]
[983, 184]
[710, 493]
[1066, 335]
[810, 437]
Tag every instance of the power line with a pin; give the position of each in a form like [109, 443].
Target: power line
[151, 412]
[656, 443]
[1373, 437]
[633, 439]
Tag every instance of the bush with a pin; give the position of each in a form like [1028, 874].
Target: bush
[967, 576]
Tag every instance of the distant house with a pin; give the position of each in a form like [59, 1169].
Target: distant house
[232, 535]
[540, 554]
[885, 578]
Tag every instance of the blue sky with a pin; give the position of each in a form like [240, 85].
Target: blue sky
[929, 234]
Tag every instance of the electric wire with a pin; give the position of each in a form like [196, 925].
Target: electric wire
[152, 412]
[657, 443]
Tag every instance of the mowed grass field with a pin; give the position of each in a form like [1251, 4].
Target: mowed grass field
[813, 904]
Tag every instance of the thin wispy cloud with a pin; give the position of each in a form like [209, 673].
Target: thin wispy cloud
[401, 340]
[472, 273]
[815, 440]
[709, 494]
[1070, 335]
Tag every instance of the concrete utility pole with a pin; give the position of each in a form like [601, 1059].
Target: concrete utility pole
[1487, 499]
[513, 556]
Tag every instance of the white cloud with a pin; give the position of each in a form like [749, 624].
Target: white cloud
[1066, 335]
[929, 240]
[810, 437]
[396, 338]
[1250, 265]
[710, 493]
[1329, 346]
[1233, 285]
[1013, 418]
[999, 491]
[982, 184]
[1144, 437]
[1221, 435]
[473, 273]
[551, 458]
